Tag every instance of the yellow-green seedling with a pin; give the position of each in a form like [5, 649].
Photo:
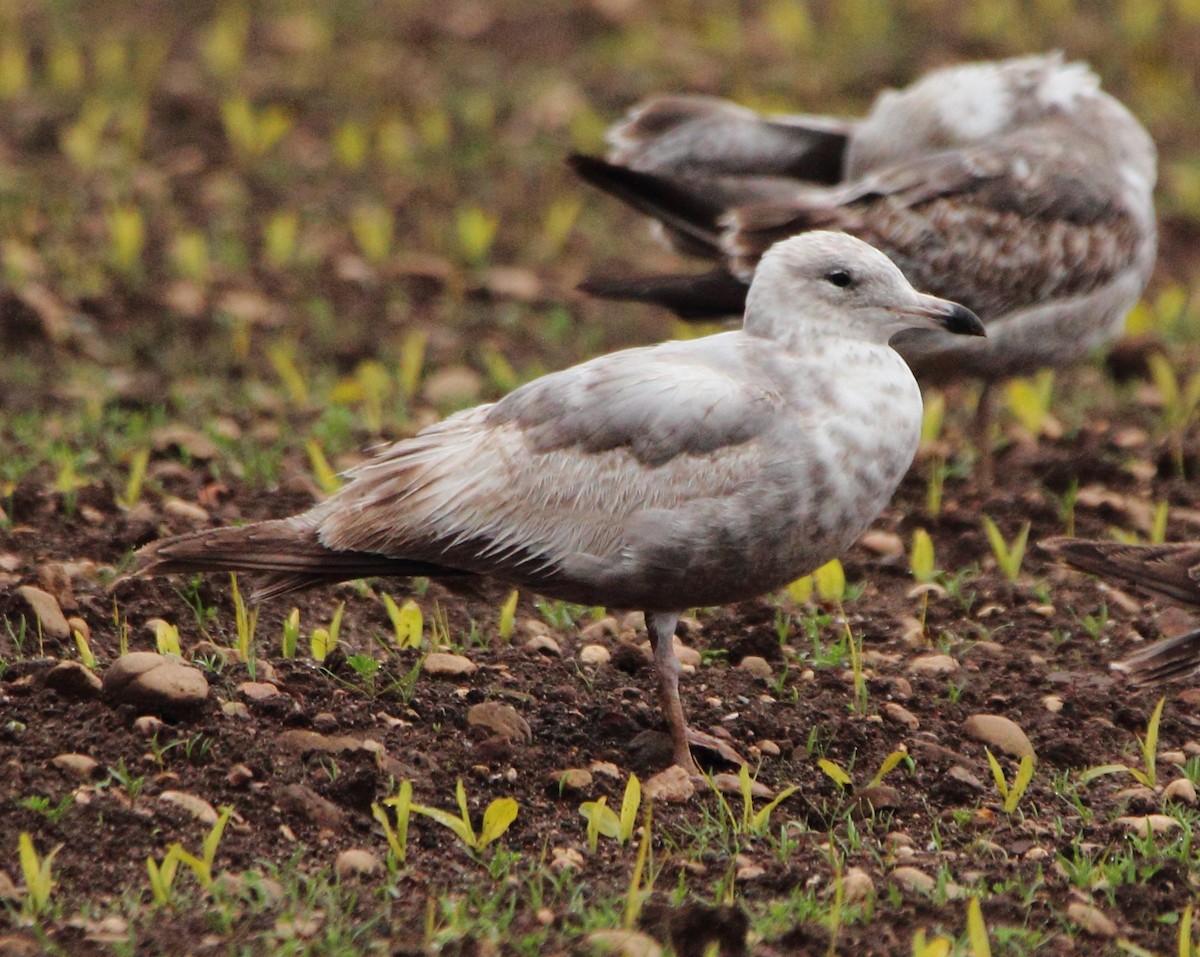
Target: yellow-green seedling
[1029, 400]
[936, 946]
[638, 891]
[291, 634]
[189, 255]
[166, 638]
[412, 361]
[373, 226]
[64, 65]
[137, 475]
[162, 876]
[501, 375]
[1158, 525]
[1010, 794]
[38, 874]
[1145, 775]
[253, 132]
[223, 45]
[496, 819]
[757, 822]
[557, 224]
[394, 142]
[126, 237]
[281, 233]
[397, 835]
[14, 65]
[935, 486]
[282, 356]
[830, 580]
[977, 933]
[350, 144]
[1186, 944]
[86, 655]
[1008, 557]
[921, 558]
[508, 616]
[934, 417]
[476, 230]
[801, 590]
[323, 640]
[604, 820]
[327, 478]
[841, 777]
[245, 621]
[1180, 398]
[408, 624]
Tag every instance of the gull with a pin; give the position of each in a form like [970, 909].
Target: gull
[659, 478]
[1016, 187]
[1171, 569]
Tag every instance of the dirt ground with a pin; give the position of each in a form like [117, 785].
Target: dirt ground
[146, 349]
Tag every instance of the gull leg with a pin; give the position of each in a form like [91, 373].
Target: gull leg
[985, 418]
[661, 628]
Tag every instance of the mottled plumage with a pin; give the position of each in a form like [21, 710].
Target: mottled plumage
[1171, 569]
[1018, 188]
[663, 478]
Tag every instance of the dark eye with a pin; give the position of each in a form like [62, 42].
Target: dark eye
[840, 278]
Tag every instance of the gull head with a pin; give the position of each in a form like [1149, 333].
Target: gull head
[827, 284]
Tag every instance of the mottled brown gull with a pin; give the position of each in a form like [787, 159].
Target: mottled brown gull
[1017, 187]
[662, 478]
[1171, 569]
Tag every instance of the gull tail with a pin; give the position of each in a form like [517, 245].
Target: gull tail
[707, 296]
[690, 214]
[1172, 570]
[1163, 660]
[287, 551]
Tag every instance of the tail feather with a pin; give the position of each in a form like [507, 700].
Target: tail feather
[287, 551]
[1172, 570]
[711, 295]
[1163, 660]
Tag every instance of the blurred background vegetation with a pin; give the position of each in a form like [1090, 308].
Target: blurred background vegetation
[349, 217]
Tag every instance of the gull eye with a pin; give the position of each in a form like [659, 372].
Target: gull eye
[840, 278]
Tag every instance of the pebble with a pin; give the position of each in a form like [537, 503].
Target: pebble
[769, 747]
[155, 681]
[79, 766]
[898, 714]
[187, 511]
[77, 624]
[1177, 758]
[503, 719]
[148, 725]
[606, 768]
[1180, 790]
[933, 665]
[987, 649]
[239, 775]
[356, 862]
[887, 544]
[913, 879]
[604, 628]
[8, 889]
[857, 886]
[594, 655]
[47, 611]
[902, 688]
[1143, 825]
[298, 800]
[72, 679]
[749, 872]
[672, 786]
[452, 385]
[543, 645]
[325, 722]
[257, 690]
[1000, 732]
[1052, 703]
[731, 784]
[963, 776]
[192, 804]
[1091, 919]
[623, 943]
[442, 663]
[758, 667]
[566, 858]
[572, 779]
[235, 709]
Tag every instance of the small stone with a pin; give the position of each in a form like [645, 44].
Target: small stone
[325, 722]
[572, 779]
[606, 627]
[79, 766]
[606, 768]
[566, 858]
[298, 800]
[731, 784]
[1177, 758]
[77, 624]
[194, 805]
[769, 747]
[594, 655]
[1143, 825]
[239, 775]
[686, 655]
[442, 663]
[1052, 703]
[885, 544]
[47, 611]
[148, 725]
[623, 943]
[543, 645]
[902, 688]
[1036, 854]
[933, 665]
[72, 679]
[749, 872]
[758, 667]
[503, 719]
[188, 511]
[857, 886]
[672, 786]
[913, 879]
[257, 690]
[1091, 919]
[299, 741]
[898, 714]
[235, 709]
[356, 862]
[964, 777]
[155, 681]
[1000, 732]
[452, 386]
[1181, 790]
[8, 889]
